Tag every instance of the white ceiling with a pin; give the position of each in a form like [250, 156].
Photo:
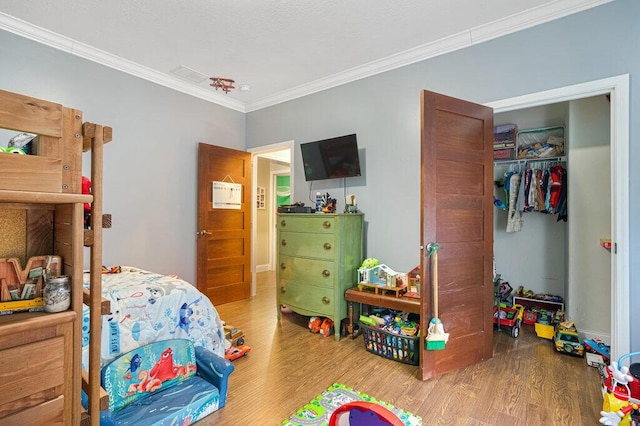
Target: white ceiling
[282, 49]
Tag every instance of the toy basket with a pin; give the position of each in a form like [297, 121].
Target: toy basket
[397, 347]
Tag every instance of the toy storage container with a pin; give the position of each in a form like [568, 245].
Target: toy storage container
[541, 143]
[405, 349]
[504, 142]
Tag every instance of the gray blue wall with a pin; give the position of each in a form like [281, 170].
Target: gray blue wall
[150, 168]
[384, 111]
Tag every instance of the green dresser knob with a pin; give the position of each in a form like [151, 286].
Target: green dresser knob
[327, 246]
[326, 273]
[326, 224]
[325, 300]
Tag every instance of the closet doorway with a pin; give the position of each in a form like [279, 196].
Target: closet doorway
[566, 258]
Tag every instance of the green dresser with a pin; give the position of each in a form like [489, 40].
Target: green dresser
[318, 258]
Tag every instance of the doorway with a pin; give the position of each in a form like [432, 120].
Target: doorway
[617, 88]
[268, 162]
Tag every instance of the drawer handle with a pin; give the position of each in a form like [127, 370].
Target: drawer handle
[327, 246]
[326, 224]
[325, 300]
[326, 273]
[283, 242]
[283, 266]
[283, 290]
[283, 223]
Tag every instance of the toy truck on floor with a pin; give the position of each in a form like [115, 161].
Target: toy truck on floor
[510, 318]
[235, 336]
[565, 339]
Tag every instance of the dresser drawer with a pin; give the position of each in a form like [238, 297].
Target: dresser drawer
[307, 245]
[315, 223]
[311, 271]
[308, 297]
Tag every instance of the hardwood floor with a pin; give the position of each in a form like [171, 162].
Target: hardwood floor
[526, 382]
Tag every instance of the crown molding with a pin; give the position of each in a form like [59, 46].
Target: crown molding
[66, 44]
[532, 17]
[520, 21]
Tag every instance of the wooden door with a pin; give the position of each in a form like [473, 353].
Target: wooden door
[224, 234]
[457, 213]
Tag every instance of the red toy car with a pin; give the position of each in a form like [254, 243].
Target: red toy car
[235, 352]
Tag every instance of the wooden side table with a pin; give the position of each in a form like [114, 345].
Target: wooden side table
[369, 298]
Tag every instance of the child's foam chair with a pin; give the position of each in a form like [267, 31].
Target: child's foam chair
[170, 382]
[363, 413]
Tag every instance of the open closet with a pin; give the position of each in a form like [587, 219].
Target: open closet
[544, 253]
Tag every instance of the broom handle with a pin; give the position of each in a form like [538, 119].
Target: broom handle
[435, 284]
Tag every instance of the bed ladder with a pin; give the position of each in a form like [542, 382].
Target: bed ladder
[94, 138]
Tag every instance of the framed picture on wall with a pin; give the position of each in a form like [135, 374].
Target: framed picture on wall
[260, 200]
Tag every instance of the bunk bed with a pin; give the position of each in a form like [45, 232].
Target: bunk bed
[42, 205]
[50, 360]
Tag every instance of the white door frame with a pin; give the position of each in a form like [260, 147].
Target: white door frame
[618, 88]
[254, 183]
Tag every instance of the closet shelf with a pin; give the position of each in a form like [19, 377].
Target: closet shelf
[561, 159]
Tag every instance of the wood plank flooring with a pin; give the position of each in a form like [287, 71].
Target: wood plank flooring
[526, 382]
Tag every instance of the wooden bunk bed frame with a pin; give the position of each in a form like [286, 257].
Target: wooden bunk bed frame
[43, 195]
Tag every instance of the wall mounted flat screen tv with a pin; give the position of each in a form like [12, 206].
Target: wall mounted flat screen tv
[331, 158]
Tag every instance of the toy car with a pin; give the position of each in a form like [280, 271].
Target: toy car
[597, 347]
[509, 318]
[235, 352]
[235, 336]
[565, 339]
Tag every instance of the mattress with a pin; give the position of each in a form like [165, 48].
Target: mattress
[147, 307]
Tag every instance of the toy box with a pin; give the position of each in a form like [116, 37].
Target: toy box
[405, 349]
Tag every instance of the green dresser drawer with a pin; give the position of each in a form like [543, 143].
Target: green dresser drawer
[314, 222]
[311, 271]
[308, 297]
[321, 246]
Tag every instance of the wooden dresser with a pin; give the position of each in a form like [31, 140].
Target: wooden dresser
[318, 258]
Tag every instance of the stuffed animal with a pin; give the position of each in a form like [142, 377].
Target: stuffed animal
[327, 327]
[314, 324]
[86, 189]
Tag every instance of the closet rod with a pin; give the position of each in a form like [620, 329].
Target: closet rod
[531, 160]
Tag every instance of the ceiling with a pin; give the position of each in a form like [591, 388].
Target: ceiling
[280, 49]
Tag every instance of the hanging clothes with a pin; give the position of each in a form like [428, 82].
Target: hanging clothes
[562, 201]
[514, 220]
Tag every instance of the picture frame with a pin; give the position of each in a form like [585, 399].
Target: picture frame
[260, 198]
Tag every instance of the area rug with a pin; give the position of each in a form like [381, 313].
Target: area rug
[318, 411]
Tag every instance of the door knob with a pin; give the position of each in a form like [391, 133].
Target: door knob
[203, 232]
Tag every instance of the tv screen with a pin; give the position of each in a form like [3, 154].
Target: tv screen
[331, 158]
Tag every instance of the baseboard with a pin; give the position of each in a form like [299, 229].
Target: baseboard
[588, 334]
[262, 268]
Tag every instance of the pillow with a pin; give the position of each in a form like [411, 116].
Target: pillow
[140, 372]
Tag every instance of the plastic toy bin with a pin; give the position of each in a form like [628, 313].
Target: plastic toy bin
[405, 349]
